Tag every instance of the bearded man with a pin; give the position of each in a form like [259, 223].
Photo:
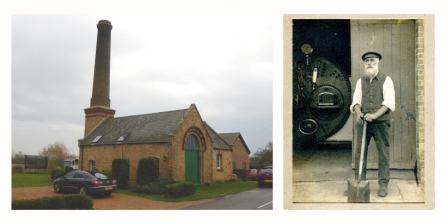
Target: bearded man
[373, 101]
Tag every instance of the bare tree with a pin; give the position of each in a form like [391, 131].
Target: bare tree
[18, 157]
[56, 153]
[263, 157]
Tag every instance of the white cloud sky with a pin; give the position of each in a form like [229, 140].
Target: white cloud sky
[222, 63]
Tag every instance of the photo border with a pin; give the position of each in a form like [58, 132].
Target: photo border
[429, 108]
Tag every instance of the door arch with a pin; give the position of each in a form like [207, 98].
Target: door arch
[192, 160]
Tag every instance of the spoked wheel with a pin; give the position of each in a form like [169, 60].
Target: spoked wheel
[56, 188]
[82, 190]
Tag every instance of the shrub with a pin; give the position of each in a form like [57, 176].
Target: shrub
[153, 188]
[68, 169]
[179, 190]
[148, 170]
[120, 171]
[56, 173]
[166, 181]
[66, 202]
[158, 187]
[74, 201]
[17, 169]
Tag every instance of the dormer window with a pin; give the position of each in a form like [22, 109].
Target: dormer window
[97, 139]
[120, 139]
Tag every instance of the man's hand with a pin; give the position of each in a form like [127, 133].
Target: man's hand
[360, 118]
[370, 117]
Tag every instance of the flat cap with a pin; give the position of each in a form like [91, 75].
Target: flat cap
[371, 54]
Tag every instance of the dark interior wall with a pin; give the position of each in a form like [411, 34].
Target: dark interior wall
[329, 38]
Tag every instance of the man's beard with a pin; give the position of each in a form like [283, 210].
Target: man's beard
[370, 71]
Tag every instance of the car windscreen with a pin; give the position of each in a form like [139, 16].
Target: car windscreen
[100, 176]
[267, 171]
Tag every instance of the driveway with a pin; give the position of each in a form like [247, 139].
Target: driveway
[115, 201]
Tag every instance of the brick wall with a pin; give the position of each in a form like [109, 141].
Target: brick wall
[420, 100]
[103, 156]
[226, 171]
[93, 117]
[191, 124]
[240, 154]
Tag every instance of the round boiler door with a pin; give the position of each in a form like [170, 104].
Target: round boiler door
[308, 126]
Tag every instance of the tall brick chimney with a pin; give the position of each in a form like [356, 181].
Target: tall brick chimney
[100, 102]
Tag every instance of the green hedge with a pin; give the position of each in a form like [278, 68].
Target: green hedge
[66, 202]
[148, 170]
[179, 190]
[153, 188]
[120, 172]
[158, 187]
[56, 173]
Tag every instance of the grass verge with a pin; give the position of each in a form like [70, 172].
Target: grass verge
[215, 190]
[31, 179]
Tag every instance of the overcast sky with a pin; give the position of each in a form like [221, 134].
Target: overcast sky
[221, 63]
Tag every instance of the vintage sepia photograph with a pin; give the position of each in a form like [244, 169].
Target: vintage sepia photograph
[355, 95]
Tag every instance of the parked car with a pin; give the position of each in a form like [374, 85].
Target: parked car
[252, 174]
[265, 176]
[85, 182]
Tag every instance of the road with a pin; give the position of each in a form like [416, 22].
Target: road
[256, 199]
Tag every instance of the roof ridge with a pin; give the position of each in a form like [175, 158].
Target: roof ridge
[170, 111]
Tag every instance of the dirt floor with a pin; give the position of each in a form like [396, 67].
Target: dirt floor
[113, 202]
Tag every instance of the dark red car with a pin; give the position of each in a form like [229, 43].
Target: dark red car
[265, 176]
[252, 174]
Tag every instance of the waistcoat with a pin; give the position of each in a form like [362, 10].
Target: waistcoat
[372, 95]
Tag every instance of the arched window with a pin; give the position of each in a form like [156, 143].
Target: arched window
[192, 143]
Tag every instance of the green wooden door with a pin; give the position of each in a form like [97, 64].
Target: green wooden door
[192, 160]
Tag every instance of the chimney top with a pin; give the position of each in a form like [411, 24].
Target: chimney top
[104, 24]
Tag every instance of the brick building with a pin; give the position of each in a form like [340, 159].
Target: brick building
[187, 147]
[240, 150]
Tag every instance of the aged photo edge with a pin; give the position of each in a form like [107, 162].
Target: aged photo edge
[429, 144]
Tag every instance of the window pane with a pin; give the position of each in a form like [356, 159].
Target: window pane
[191, 142]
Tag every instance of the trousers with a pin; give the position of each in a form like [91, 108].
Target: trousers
[379, 130]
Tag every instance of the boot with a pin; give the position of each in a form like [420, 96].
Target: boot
[383, 191]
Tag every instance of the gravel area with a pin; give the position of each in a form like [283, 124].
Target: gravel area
[115, 201]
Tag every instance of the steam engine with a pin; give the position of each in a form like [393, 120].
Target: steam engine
[321, 98]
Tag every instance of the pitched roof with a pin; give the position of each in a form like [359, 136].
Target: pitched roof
[145, 128]
[231, 138]
[218, 142]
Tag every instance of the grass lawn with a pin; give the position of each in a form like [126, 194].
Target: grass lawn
[31, 179]
[215, 190]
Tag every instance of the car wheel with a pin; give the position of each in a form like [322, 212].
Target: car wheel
[56, 188]
[82, 190]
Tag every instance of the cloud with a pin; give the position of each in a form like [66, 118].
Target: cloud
[222, 63]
